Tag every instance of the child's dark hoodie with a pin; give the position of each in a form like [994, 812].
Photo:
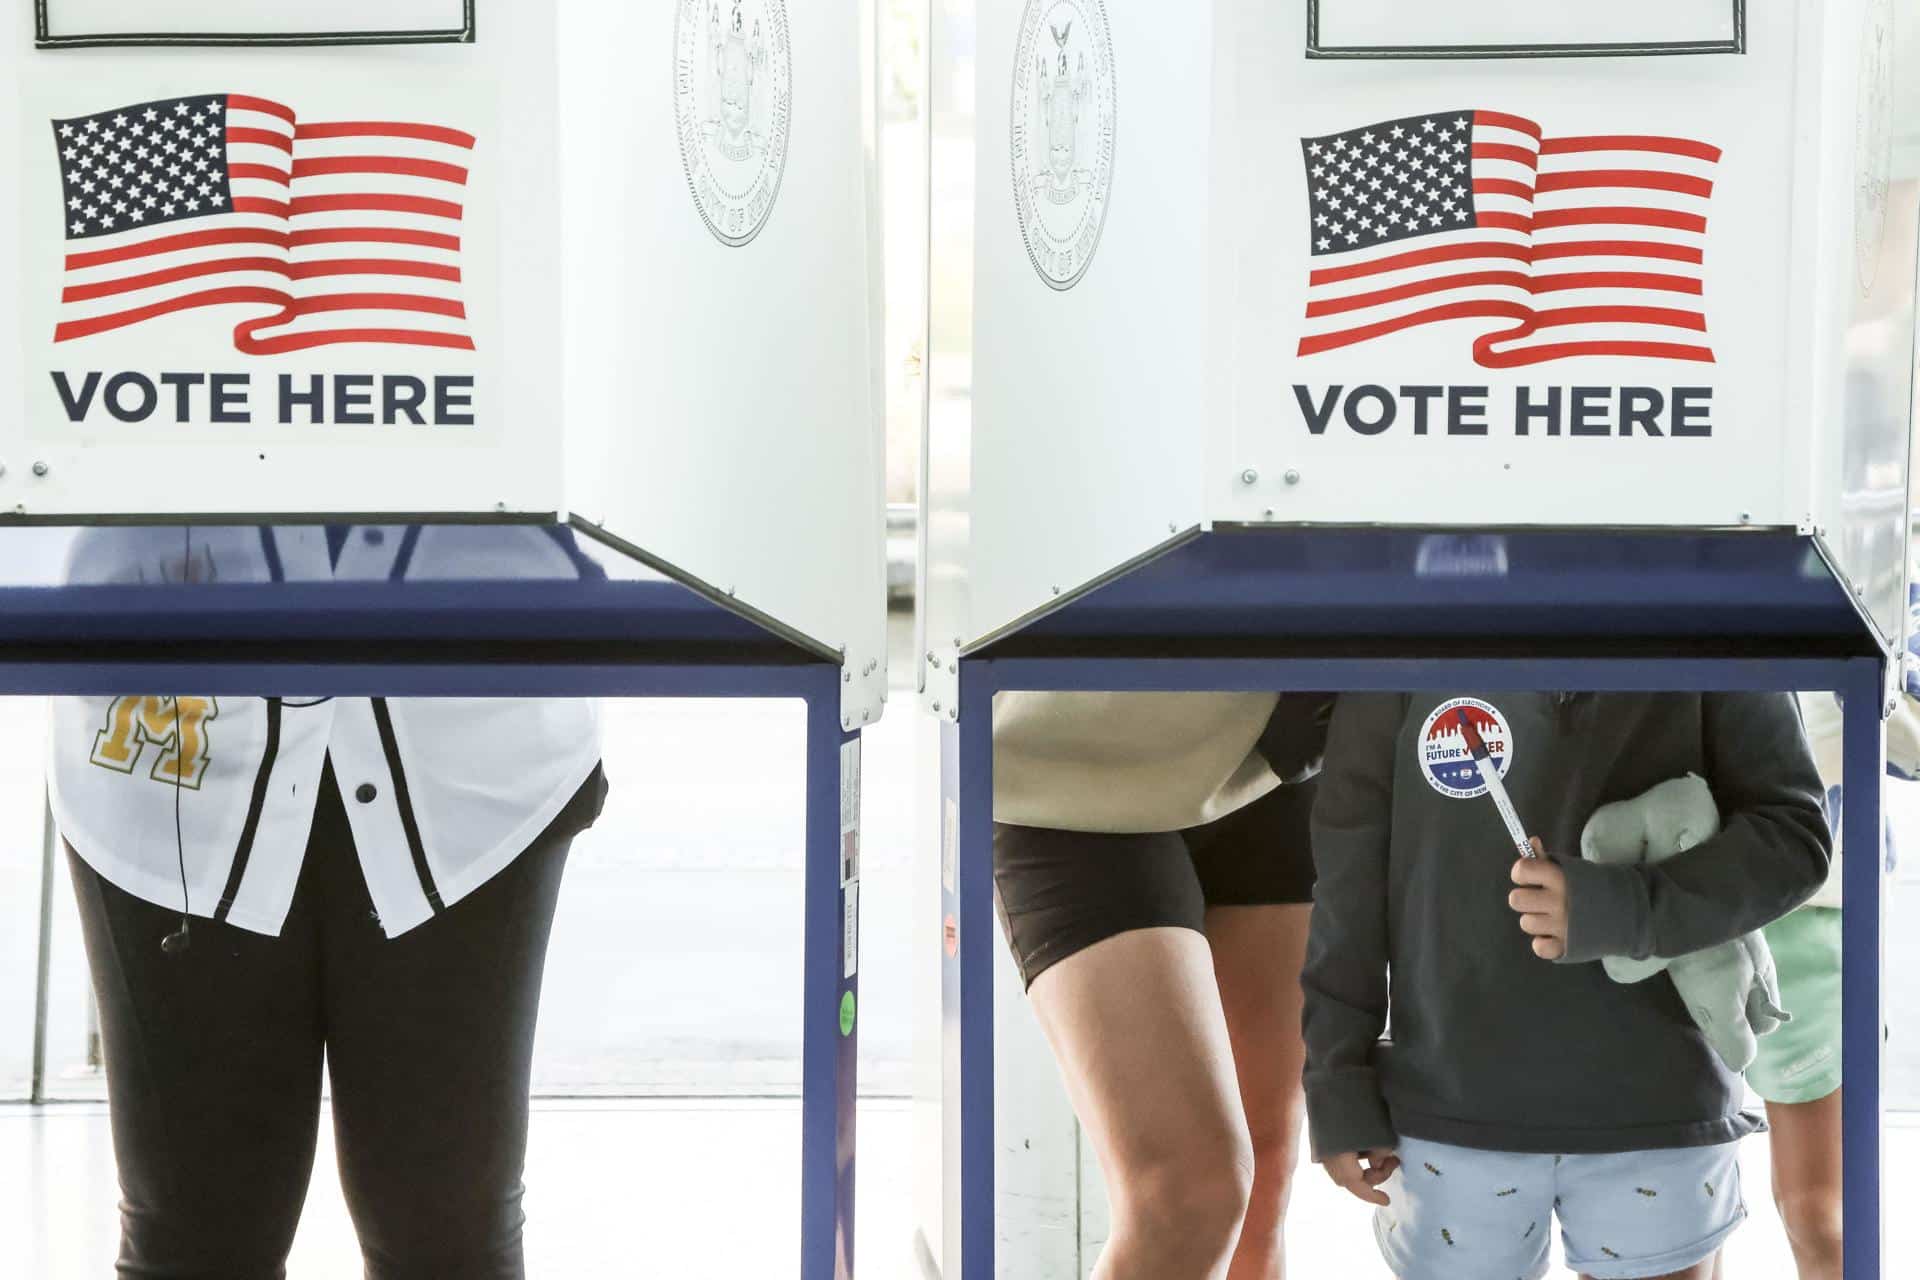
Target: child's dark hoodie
[1491, 1046]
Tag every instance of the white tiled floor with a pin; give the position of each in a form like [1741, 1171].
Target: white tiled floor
[687, 1189]
[707, 1191]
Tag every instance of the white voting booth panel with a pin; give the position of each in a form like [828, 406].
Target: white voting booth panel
[1670, 287]
[594, 260]
[1862, 486]
[723, 352]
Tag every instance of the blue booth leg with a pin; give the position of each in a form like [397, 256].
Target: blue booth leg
[830, 1040]
[1861, 958]
[969, 935]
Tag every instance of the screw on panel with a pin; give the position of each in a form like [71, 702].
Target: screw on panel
[846, 677]
[1268, 513]
[933, 657]
[936, 708]
[1056, 591]
[952, 670]
[3, 468]
[1172, 527]
[41, 468]
[1292, 476]
[500, 508]
[846, 722]
[956, 642]
[1746, 517]
[1249, 476]
[865, 716]
[954, 714]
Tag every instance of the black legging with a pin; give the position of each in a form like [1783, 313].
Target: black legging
[213, 1067]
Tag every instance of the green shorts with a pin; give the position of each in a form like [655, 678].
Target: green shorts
[1800, 1062]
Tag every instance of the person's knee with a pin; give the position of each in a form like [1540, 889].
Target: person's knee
[1262, 1235]
[202, 1225]
[415, 1256]
[1276, 1154]
[1199, 1194]
[495, 1262]
[215, 1246]
[473, 1231]
[1814, 1219]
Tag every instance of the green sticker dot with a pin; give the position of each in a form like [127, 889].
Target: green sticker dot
[846, 1014]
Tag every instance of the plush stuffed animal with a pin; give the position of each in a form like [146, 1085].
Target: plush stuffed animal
[1731, 990]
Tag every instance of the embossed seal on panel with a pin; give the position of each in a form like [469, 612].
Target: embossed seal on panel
[1063, 134]
[733, 91]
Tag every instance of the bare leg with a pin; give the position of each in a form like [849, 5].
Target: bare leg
[1136, 1025]
[1698, 1271]
[1807, 1182]
[1257, 955]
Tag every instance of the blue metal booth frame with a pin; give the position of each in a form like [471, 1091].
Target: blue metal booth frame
[1396, 609]
[564, 639]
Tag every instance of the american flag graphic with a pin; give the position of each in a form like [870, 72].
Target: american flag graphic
[1586, 246]
[344, 231]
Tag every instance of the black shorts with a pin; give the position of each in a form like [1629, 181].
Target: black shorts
[1058, 892]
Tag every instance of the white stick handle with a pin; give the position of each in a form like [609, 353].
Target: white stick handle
[1490, 772]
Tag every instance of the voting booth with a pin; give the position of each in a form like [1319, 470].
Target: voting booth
[1364, 344]
[447, 270]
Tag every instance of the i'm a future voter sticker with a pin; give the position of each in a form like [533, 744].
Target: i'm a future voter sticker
[1445, 758]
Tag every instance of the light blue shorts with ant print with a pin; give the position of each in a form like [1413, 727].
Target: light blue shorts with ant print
[1461, 1214]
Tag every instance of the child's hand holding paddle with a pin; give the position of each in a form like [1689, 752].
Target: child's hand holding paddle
[1541, 901]
[1541, 898]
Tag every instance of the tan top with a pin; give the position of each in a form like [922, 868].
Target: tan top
[1127, 762]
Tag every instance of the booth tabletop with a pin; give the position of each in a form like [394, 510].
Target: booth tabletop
[614, 610]
[1246, 589]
